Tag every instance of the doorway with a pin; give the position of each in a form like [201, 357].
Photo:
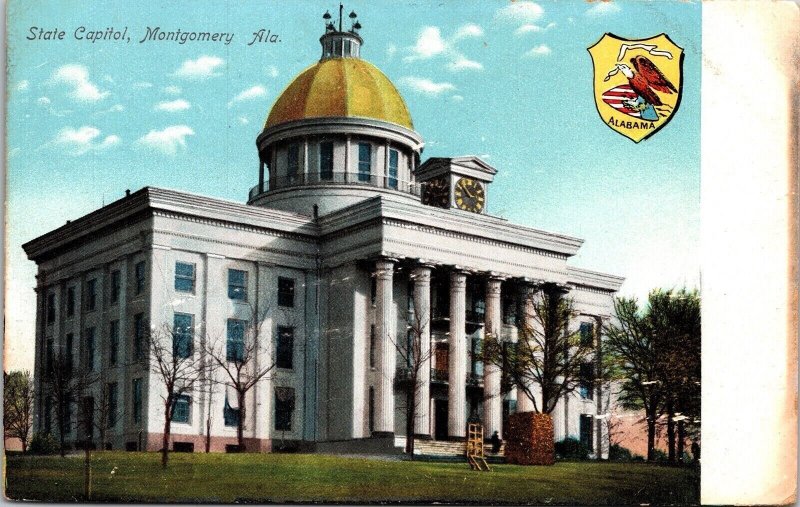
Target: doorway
[440, 415]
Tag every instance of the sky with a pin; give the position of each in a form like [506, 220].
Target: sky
[509, 82]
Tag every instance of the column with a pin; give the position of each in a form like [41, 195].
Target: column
[527, 290]
[384, 329]
[421, 276]
[457, 360]
[492, 399]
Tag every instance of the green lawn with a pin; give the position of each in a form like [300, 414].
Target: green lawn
[317, 478]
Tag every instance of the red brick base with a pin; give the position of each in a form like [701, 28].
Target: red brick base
[218, 444]
[530, 439]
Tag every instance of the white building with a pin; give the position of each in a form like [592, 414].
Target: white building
[343, 229]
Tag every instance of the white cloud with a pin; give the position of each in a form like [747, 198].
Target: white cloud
[391, 49]
[173, 106]
[457, 98]
[426, 86]
[172, 90]
[82, 140]
[272, 71]
[142, 84]
[251, 93]
[533, 28]
[468, 30]
[430, 44]
[528, 12]
[463, 63]
[602, 8]
[243, 120]
[23, 85]
[168, 140]
[202, 68]
[77, 78]
[116, 108]
[540, 50]
[43, 101]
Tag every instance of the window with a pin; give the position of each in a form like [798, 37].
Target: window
[90, 348]
[113, 342]
[182, 335]
[293, 160]
[235, 344]
[371, 409]
[116, 286]
[372, 346]
[586, 381]
[477, 353]
[70, 301]
[51, 308]
[182, 409]
[230, 414]
[237, 284]
[113, 400]
[137, 400]
[394, 156]
[91, 294]
[87, 419]
[586, 431]
[138, 336]
[48, 356]
[184, 277]
[48, 414]
[66, 424]
[347, 46]
[284, 406]
[587, 333]
[68, 352]
[326, 160]
[283, 358]
[364, 161]
[286, 292]
[140, 277]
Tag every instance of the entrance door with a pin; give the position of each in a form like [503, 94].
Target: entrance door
[440, 409]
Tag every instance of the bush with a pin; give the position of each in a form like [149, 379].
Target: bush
[43, 443]
[572, 448]
[659, 456]
[618, 453]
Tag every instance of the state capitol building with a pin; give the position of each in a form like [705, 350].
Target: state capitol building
[347, 231]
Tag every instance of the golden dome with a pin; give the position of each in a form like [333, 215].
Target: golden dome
[341, 87]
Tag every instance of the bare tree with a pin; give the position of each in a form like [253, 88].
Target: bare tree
[18, 397]
[415, 353]
[242, 359]
[65, 385]
[548, 354]
[179, 369]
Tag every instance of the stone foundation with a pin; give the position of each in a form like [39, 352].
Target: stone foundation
[152, 442]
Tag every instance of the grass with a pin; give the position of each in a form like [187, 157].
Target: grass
[318, 478]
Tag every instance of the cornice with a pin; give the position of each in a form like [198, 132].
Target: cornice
[593, 281]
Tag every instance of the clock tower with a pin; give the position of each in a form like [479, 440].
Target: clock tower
[459, 182]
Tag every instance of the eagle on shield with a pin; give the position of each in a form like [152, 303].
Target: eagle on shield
[645, 82]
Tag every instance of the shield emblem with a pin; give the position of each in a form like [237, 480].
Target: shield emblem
[637, 83]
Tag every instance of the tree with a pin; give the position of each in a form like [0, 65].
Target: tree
[242, 360]
[179, 369]
[675, 323]
[18, 406]
[65, 386]
[416, 354]
[548, 353]
[657, 353]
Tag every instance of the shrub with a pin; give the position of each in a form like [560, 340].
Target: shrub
[618, 453]
[43, 443]
[659, 456]
[572, 448]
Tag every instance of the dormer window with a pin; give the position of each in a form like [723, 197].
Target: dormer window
[394, 157]
[326, 160]
[292, 160]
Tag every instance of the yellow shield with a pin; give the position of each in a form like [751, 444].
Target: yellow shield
[637, 83]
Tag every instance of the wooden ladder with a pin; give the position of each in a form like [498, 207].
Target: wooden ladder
[475, 456]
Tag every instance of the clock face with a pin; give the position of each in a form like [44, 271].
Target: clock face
[436, 193]
[469, 195]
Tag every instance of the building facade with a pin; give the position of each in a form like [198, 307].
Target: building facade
[346, 238]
